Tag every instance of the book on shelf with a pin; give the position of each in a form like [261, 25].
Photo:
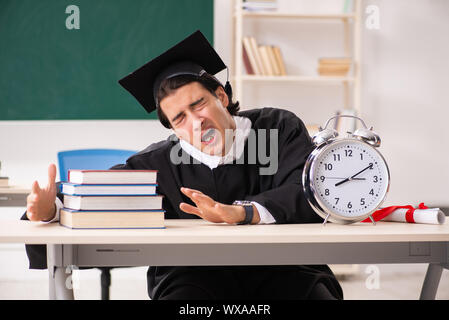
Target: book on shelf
[108, 189]
[112, 176]
[258, 58]
[339, 71]
[273, 61]
[113, 202]
[280, 60]
[265, 60]
[126, 219]
[249, 60]
[335, 60]
[334, 66]
[260, 5]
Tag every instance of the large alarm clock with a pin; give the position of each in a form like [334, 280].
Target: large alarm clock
[345, 179]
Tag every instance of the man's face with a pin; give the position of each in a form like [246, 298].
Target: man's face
[199, 117]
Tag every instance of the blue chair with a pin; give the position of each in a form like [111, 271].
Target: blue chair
[94, 159]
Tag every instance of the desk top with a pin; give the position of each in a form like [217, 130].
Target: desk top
[200, 231]
[14, 190]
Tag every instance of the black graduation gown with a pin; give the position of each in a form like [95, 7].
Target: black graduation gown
[280, 193]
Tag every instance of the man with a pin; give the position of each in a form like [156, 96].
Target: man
[203, 172]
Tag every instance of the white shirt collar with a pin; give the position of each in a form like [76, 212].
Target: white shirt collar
[242, 130]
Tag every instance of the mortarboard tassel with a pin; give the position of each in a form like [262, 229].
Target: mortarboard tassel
[228, 88]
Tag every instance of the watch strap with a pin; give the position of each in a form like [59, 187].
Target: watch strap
[249, 211]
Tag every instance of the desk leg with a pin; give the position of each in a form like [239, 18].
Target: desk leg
[60, 276]
[431, 282]
[63, 283]
[51, 285]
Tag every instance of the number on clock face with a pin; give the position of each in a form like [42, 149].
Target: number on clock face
[350, 178]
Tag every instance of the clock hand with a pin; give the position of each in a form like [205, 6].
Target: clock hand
[369, 166]
[344, 178]
[341, 182]
[353, 177]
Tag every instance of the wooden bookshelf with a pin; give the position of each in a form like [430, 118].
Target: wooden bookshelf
[350, 84]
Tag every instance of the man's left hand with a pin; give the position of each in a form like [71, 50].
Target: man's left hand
[213, 211]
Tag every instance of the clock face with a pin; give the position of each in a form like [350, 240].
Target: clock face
[349, 179]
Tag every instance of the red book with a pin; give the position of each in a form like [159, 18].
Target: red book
[247, 61]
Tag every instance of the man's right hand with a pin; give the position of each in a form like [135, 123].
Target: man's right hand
[41, 201]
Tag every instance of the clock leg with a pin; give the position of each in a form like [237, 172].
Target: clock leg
[372, 219]
[325, 219]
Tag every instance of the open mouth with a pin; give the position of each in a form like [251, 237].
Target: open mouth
[208, 136]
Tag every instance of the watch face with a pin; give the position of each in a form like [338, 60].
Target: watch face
[349, 179]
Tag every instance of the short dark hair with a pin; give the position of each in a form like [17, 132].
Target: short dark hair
[209, 82]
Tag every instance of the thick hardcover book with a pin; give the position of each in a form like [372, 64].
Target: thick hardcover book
[266, 60]
[336, 60]
[113, 202]
[280, 60]
[112, 176]
[255, 51]
[273, 61]
[334, 66]
[249, 59]
[108, 189]
[144, 219]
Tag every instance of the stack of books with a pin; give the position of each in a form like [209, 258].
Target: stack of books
[263, 60]
[334, 66]
[111, 199]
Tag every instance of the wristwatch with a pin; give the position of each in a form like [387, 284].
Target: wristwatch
[249, 210]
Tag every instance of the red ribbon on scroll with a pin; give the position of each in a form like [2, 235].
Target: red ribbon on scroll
[382, 213]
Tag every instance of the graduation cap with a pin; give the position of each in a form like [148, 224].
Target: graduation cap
[192, 56]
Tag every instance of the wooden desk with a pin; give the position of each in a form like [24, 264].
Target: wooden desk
[196, 242]
[13, 196]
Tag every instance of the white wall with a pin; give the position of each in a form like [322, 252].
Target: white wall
[405, 71]
[405, 96]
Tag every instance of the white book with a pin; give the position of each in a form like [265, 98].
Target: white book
[111, 219]
[255, 50]
[260, 5]
[112, 202]
[108, 189]
[112, 176]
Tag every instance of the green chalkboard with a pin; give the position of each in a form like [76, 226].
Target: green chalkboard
[48, 71]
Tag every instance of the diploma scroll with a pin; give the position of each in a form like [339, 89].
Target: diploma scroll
[428, 216]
